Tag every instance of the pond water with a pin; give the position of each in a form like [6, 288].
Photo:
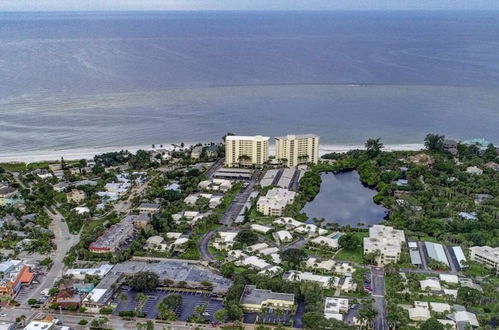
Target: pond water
[343, 199]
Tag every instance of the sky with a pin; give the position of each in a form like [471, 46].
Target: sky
[54, 5]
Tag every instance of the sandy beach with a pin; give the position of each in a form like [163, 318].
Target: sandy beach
[89, 153]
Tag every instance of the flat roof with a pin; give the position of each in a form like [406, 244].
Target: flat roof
[254, 296]
[415, 257]
[297, 136]
[246, 137]
[436, 251]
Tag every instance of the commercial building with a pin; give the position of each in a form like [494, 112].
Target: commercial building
[80, 273]
[246, 150]
[113, 237]
[486, 255]
[274, 202]
[294, 150]
[254, 300]
[385, 242]
[13, 276]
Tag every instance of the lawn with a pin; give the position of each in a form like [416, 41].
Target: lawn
[13, 167]
[354, 255]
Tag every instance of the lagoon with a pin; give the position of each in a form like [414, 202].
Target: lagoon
[343, 199]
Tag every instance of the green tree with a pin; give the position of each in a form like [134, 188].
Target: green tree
[468, 296]
[349, 241]
[293, 257]
[490, 153]
[434, 142]
[373, 147]
[221, 315]
[246, 237]
[431, 324]
[142, 281]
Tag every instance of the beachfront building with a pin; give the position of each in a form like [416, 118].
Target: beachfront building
[275, 201]
[246, 150]
[385, 242]
[294, 150]
[254, 300]
[487, 256]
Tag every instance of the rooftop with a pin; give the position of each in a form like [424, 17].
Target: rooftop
[252, 295]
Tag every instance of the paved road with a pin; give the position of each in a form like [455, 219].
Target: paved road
[298, 244]
[450, 259]
[64, 240]
[203, 246]
[237, 205]
[378, 285]
[422, 254]
[219, 163]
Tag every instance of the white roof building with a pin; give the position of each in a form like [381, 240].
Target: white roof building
[419, 314]
[431, 283]
[324, 281]
[274, 202]
[260, 228]
[310, 229]
[282, 236]
[268, 251]
[335, 306]
[224, 240]
[255, 262]
[449, 278]
[486, 255]
[326, 241]
[466, 317]
[474, 170]
[440, 307]
[386, 241]
[288, 222]
[256, 247]
[80, 273]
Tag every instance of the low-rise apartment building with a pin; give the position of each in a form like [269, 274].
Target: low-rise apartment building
[487, 256]
[113, 237]
[275, 201]
[385, 242]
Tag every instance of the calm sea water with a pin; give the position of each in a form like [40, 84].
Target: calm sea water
[344, 200]
[101, 79]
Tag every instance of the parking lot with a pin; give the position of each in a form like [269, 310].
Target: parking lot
[190, 300]
[272, 317]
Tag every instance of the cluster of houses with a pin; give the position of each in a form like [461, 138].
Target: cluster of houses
[118, 234]
[14, 274]
[10, 196]
[265, 256]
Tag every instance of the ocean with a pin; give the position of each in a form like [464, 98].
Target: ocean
[93, 80]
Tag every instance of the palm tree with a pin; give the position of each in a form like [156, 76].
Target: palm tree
[373, 147]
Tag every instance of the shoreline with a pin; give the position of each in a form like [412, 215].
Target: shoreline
[89, 153]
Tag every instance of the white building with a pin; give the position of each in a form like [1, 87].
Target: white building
[282, 236]
[386, 242]
[487, 256]
[246, 150]
[288, 222]
[260, 228]
[224, 240]
[80, 273]
[294, 150]
[325, 241]
[449, 278]
[430, 283]
[473, 170]
[254, 262]
[324, 281]
[256, 247]
[310, 229]
[275, 201]
[335, 306]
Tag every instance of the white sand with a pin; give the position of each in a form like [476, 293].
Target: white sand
[89, 153]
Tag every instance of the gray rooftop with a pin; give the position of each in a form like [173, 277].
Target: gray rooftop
[252, 295]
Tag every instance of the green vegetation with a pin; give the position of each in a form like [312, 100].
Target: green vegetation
[143, 281]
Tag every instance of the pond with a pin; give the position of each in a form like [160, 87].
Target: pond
[343, 199]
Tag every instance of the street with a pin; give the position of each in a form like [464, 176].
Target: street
[378, 285]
